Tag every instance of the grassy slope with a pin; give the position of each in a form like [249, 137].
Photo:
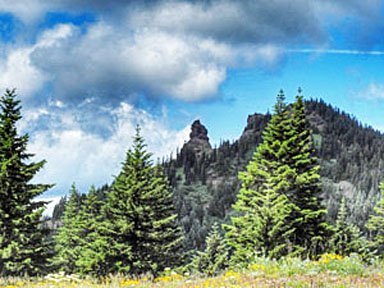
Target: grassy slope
[329, 271]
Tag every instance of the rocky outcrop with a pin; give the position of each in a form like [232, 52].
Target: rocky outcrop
[199, 132]
[199, 141]
[254, 123]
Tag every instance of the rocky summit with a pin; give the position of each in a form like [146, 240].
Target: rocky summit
[199, 141]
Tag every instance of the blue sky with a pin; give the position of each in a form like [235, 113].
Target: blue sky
[88, 71]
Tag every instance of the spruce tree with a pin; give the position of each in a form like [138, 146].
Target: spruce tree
[23, 239]
[311, 229]
[375, 224]
[91, 259]
[215, 257]
[140, 217]
[346, 236]
[70, 235]
[263, 205]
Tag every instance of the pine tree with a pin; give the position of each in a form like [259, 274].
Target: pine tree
[263, 205]
[346, 236]
[311, 229]
[375, 224]
[91, 259]
[263, 229]
[140, 217]
[23, 239]
[215, 257]
[70, 235]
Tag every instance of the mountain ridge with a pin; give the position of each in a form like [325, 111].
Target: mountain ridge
[351, 157]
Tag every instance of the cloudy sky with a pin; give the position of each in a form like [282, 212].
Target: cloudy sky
[89, 71]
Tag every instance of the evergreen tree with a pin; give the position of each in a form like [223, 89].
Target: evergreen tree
[311, 229]
[375, 223]
[262, 203]
[263, 229]
[140, 217]
[346, 236]
[23, 245]
[91, 259]
[70, 235]
[215, 256]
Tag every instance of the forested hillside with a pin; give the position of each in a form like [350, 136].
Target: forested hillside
[204, 179]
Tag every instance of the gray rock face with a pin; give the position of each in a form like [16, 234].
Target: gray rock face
[199, 131]
[199, 140]
[254, 122]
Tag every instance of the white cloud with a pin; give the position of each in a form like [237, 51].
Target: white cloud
[374, 91]
[337, 51]
[17, 69]
[147, 61]
[75, 155]
[176, 49]
[157, 50]
[29, 11]
[150, 62]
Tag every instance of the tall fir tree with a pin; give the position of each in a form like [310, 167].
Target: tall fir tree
[375, 224]
[91, 259]
[70, 235]
[140, 217]
[215, 257]
[311, 229]
[346, 236]
[23, 240]
[263, 205]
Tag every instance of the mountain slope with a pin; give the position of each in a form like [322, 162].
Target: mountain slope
[205, 183]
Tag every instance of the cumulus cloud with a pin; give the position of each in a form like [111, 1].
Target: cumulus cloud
[169, 48]
[154, 63]
[17, 69]
[115, 64]
[244, 20]
[75, 155]
[235, 21]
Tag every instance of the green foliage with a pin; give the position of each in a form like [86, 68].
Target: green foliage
[91, 259]
[311, 229]
[70, 235]
[375, 224]
[80, 243]
[214, 258]
[280, 212]
[334, 264]
[23, 240]
[264, 224]
[346, 238]
[140, 221]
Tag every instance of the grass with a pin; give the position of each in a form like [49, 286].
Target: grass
[328, 271]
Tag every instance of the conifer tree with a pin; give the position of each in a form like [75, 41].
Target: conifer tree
[346, 236]
[215, 257]
[23, 245]
[91, 259]
[263, 205]
[311, 229]
[375, 223]
[140, 217]
[70, 235]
